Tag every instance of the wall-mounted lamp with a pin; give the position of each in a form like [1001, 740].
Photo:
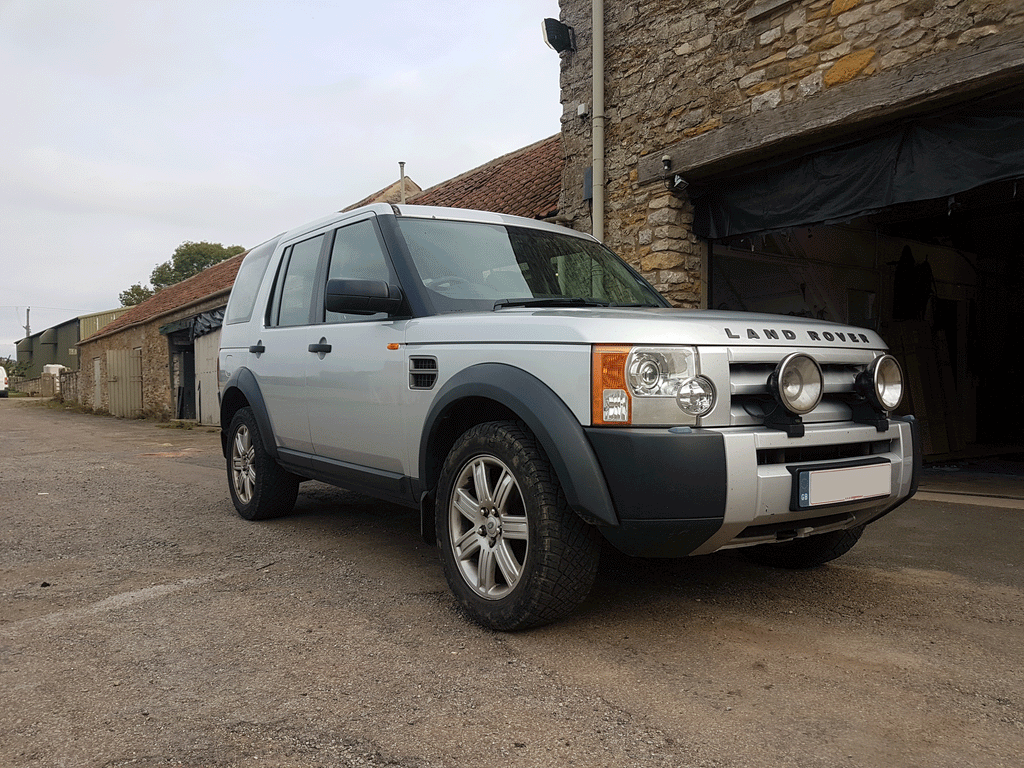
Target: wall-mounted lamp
[558, 36]
[676, 184]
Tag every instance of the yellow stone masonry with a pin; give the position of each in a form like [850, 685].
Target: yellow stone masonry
[842, 6]
[849, 67]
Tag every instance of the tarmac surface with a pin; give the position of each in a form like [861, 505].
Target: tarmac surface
[142, 623]
[993, 481]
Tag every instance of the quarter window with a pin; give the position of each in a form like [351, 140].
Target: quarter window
[247, 283]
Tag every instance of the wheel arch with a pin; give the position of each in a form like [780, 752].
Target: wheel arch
[242, 391]
[495, 392]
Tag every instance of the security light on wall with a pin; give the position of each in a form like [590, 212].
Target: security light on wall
[676, 183]
[558, 36]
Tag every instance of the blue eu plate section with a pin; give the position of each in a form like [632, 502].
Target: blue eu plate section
[828, 485]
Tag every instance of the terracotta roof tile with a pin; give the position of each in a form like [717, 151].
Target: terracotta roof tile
[526, 182]
[390, 194]
[213, 280]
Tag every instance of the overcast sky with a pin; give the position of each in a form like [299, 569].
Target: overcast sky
[131, 126]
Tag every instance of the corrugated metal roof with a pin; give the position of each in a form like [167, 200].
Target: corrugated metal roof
[90, 324]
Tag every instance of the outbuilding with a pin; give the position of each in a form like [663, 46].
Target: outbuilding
[159, 359]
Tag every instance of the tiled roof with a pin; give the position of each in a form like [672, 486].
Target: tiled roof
[526, 182]
[207, 284]
[390, 194]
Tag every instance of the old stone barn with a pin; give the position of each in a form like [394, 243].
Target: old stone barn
[851, 160]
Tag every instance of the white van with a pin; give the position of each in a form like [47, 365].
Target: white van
[3, 382]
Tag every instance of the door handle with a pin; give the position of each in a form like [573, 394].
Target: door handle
[322, 348]
[258, 348]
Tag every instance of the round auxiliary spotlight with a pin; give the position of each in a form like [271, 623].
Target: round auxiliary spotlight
[882, 383]
[797, 383]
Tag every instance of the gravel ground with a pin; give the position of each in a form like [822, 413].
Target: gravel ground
[142, 623]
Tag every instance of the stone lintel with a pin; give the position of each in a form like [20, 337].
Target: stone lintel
[922, 86]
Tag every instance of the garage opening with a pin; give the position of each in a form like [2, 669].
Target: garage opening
[926, 246]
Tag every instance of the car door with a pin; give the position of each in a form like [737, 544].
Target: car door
[280, 356]
[356, 380]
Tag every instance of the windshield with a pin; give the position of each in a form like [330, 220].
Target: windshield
[473, 266]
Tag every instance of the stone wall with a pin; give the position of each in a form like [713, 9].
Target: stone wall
[157, 398]
[676, 70]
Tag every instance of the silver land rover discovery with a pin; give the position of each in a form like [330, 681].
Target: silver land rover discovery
[532, 395]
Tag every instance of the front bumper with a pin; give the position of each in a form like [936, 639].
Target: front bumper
[680, 492]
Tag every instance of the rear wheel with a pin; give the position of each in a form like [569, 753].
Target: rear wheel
[805, 553]
[260, 488]
[514, 553]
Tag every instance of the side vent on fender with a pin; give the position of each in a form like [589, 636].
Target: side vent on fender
[422, 372]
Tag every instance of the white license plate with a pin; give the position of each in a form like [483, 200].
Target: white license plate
[835, 486]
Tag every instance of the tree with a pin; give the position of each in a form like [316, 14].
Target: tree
[13, 367]
[188, 259]
[137, 294]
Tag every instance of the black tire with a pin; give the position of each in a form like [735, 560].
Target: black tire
[805, 553]
[260, 487]
[513, 552]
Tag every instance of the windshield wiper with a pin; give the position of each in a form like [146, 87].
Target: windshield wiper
[550, 301]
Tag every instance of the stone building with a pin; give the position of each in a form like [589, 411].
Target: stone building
[159, 358]
[853, 160]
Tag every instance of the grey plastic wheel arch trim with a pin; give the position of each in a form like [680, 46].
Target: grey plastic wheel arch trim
[245, 382]
[556, 428]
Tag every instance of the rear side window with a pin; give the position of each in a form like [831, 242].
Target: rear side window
[293, 294]
[247, 283]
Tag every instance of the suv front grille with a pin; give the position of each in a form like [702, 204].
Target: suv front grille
[749, 370]
[819, 453]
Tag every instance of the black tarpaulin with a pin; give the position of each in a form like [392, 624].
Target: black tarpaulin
[208, 322]
[197, 325]
[923, 159]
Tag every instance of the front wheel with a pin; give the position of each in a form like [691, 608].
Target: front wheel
[513, 552]
[805, 553]
[260, 487]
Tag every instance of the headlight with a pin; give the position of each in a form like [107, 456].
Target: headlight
[654, 372]
[797, 383]
[882, 383]
[648, 386]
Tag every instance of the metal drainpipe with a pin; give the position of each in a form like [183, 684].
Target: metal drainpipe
[597, 204]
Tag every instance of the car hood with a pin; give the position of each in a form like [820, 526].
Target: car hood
[589, 325]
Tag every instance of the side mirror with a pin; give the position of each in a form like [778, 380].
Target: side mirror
[362, 297]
